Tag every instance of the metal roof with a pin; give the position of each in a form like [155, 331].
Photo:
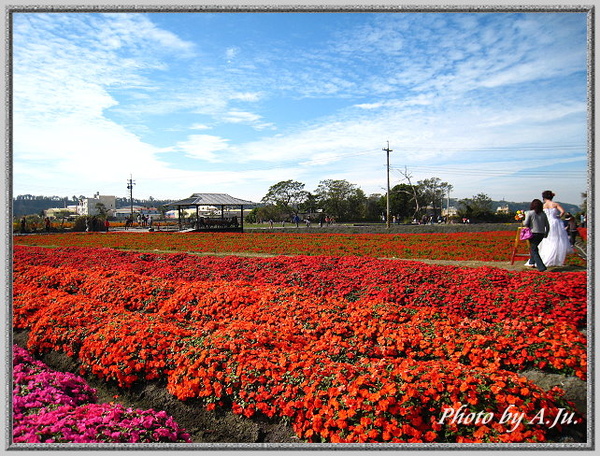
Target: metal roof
[211, 199]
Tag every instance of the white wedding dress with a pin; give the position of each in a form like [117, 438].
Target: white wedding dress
[555, 247]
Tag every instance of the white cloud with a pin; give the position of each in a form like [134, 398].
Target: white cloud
[61, 95]
[203, 147]
[231, 53]
[78, 156]
[200, 127]
[246, 96]
[370, 105]
[547, 113]
[138, 29]
[248, 118]
[241, 117]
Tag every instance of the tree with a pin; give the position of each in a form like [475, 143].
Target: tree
[287, 196]
[270, 212]
[357, 205]
[403, 198]
[341, 199]
[101, 210]
[433, 191]
[413, 190]
[584, 202]
[375, 206]
[479, 207]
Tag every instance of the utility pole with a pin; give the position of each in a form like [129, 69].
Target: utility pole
[387, 216]
[130, 184]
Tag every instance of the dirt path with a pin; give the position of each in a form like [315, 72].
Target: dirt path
[519, 265]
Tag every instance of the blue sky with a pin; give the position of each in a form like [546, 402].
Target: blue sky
[233, 102]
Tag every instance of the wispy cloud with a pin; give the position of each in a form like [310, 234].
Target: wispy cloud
[204, 147]
[200, 127]
[440, 87]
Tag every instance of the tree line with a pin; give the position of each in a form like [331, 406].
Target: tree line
[345, 202]
[337, 199]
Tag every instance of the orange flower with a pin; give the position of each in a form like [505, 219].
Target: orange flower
[430, 436]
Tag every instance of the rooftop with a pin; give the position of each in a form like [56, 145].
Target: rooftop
[211, 199]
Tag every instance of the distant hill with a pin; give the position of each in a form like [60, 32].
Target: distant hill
[513, 207]
[524, 206]
[30, 204]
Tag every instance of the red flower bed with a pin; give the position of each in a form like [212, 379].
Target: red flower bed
[485, 293]
[344, 349]
[489, 246]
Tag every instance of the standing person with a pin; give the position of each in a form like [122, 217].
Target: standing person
[48, 224]
[554, 249]
[23, 225]
[571, 228]
[536, 220]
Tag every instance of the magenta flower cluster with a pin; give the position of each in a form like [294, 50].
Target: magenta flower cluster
[57, 407]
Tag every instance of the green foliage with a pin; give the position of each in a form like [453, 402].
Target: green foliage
[287, 196]
[271, 212]
[341, 199]
[477, 208]
[432, 192]
[402, 201]
[94, 223]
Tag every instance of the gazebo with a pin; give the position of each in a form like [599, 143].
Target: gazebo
[221, 200]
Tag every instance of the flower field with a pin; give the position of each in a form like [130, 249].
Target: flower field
[494, 246]
[343, 347]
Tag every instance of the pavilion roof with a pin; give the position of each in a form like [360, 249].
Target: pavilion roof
[211, 199]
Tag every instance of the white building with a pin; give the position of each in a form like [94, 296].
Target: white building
[449, 211]
[504, 209]
[125, 212]
[89, 206]
[53, 212]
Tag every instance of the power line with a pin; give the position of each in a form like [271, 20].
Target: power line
[488, 172]
[444, 147]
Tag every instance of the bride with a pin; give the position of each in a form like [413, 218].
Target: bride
[555, 247]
